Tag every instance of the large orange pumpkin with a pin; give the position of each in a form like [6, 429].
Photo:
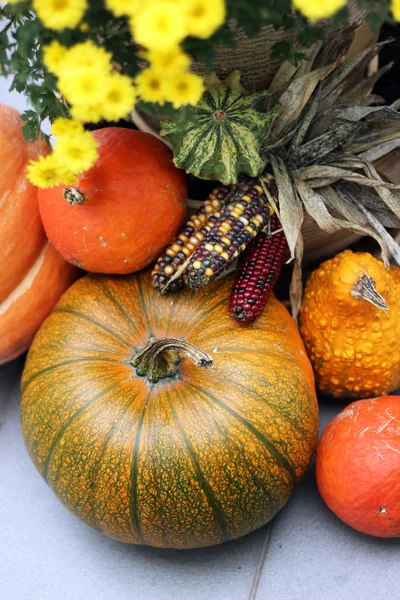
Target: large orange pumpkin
[123, 211]
[151, 450]
[32, 274]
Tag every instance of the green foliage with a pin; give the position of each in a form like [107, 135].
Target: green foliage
[22, 37]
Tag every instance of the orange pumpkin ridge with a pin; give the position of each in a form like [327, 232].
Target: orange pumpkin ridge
[32, 274]
[123, 211]
[199, 457]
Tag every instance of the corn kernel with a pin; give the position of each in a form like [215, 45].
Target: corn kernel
[218, 248]
[226, 240]
[259, 189]
[197, 264]
[186, 251]
[176, 248]
[246, 197]
[225, 255]
[170, 252]
[209, 247]
[209, 272]
[169, 270]
[190, 246]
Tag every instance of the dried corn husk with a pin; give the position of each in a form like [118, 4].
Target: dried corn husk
[321, 147]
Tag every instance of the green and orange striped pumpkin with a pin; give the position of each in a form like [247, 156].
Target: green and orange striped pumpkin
[165, 451]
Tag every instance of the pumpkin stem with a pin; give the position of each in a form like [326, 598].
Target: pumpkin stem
[365, 289]
[160, 358]
[73, 196]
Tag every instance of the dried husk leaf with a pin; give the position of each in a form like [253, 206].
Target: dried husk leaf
[296, 284]
[357, 221]
[381, 150]
[351, 194]
[379, 228]
[370, 113]
[336, 46]
[294, 99]
[334, 81]
[290, 208]
[301, 133]
[359, 94]
[319, 147]
[321, 175]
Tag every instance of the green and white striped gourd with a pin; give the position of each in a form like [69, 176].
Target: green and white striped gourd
[224, 136]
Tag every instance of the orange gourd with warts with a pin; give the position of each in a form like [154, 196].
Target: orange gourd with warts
[123, 211]
[350, 324]
[164, 422]
[32, 274]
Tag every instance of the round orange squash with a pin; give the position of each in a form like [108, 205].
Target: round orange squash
[358, 466]
[123, 211]
[32, 274]
[161, 421]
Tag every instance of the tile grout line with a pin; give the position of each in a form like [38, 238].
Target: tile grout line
[260, 565]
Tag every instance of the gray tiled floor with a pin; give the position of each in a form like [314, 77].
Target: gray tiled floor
[47, 554]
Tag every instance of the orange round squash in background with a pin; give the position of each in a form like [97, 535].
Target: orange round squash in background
[123, 211]
[358, 466]
[32, 274]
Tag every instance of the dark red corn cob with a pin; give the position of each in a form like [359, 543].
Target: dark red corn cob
[164, 275]
[246, 213]
[260, 271]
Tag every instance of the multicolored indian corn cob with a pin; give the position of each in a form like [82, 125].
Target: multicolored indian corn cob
[247, 213]
[260, 271]
[191, 235]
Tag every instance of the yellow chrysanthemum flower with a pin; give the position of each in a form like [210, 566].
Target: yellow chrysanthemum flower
[60, 14]
[169, 61]
[53, 56]
[119, 97]
[87, 54]
[159, 25]
[314, 10]
[187, 88]
[149, 85]
[396, 9]
[77, 152]
[87, 113]
[63, 126]
[124, 7]
[81, 86]
[203, 17]
[47, 172]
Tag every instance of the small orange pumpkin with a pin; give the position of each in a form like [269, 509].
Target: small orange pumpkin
[32, 274]
[358, 466]
[123, 211]
[151, 448]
